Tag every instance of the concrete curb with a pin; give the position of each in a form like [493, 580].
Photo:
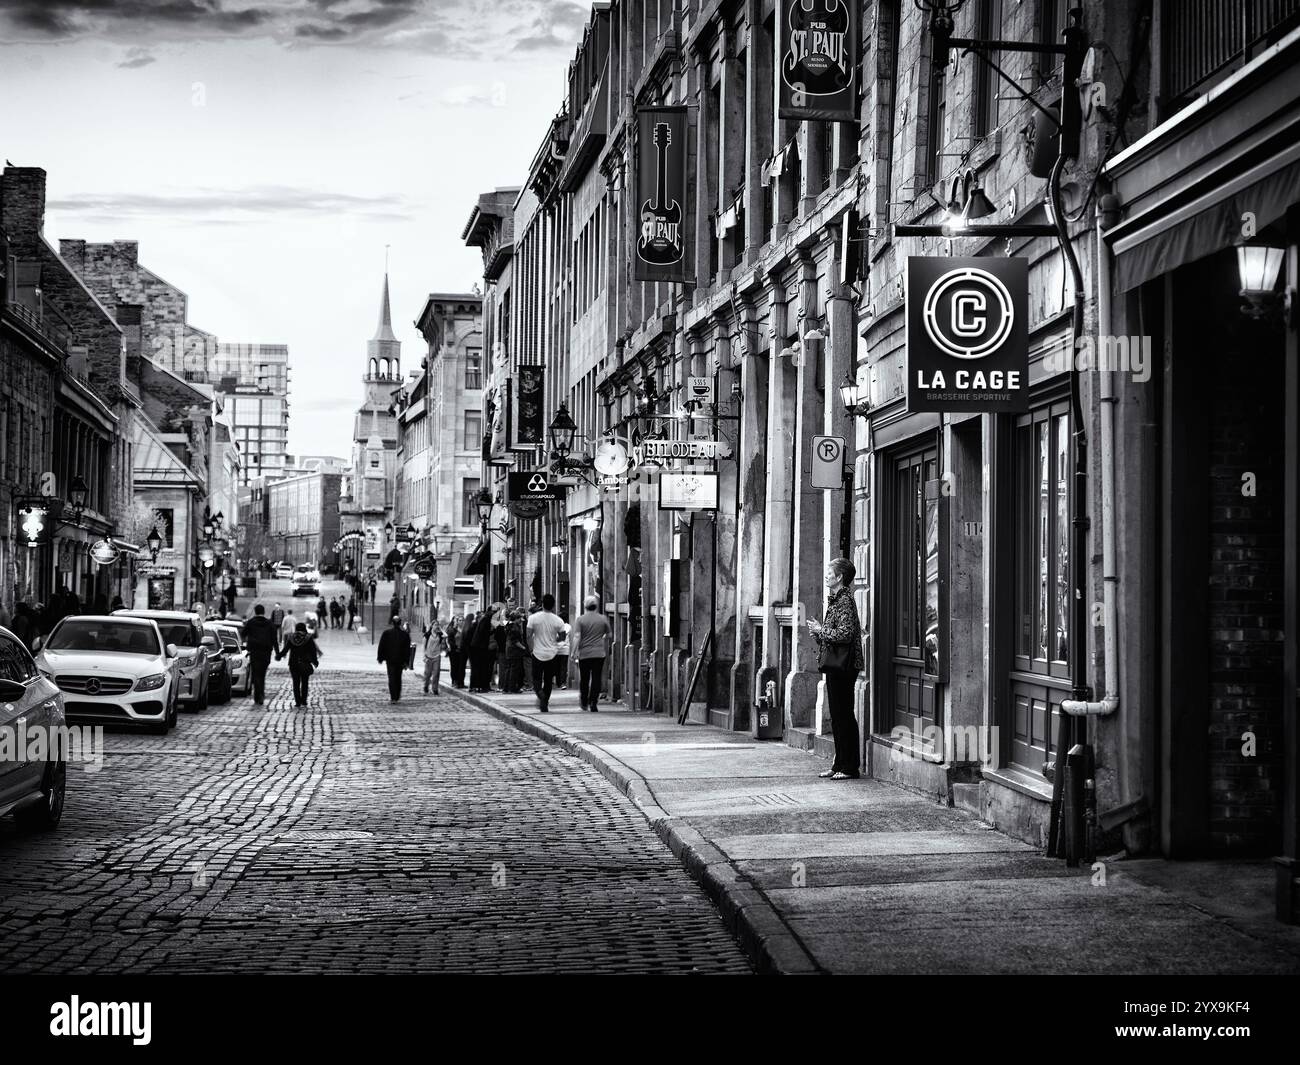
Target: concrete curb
[758, 927]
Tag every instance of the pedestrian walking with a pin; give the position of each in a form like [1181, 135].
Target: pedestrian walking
[394, 650]
[277, 615]
[512, 667]
[562, 659]
[232, 591]
[352, 610]
[543, 632]
[336, 613]
[322, 613]
[261, 640]
[456, 651]
[435, 643]
[589, 643]
[480, 653]
[840, 640]
[304, 656]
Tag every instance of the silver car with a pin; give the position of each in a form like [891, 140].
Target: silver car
[30, 788]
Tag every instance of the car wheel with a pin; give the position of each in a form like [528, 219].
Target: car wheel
[201, 703]
[49, 811]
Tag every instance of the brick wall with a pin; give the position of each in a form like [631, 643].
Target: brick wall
[1245, 616]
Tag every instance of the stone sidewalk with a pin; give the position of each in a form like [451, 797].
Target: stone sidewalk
[864, 877]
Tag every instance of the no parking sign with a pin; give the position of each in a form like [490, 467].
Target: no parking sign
[828, 462]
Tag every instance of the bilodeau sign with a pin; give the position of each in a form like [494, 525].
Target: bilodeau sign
[691, 450]
[967, 336]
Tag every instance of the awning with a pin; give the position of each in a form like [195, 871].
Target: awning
[477, 563]
[1196, 184]
[1209, 224]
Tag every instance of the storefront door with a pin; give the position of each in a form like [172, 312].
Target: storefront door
[908, 697]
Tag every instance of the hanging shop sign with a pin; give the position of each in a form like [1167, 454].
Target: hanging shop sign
[35, 523]
[688, 491]
[610, 458]
[817, 42]
[426, 566]
[500, 446]
[696, 450]
[967, 341]
[608, 482]
[527, 419]
[527, 508]
[699, 389]
[532, 485]
[104, 552]
[662, 196]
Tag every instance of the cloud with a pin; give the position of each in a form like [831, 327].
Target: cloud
[468, 28]
[209, 206]
[137, 57]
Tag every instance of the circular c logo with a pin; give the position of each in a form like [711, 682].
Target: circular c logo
[968, 313]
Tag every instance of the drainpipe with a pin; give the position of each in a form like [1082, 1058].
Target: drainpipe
[1110, 631]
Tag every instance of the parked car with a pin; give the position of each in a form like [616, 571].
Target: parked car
[182, 628]
[282, 571]
[33, 791]
[112, 670]
[232, 642]
[219, 671]
[306, 580]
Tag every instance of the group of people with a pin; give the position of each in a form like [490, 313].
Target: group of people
[33, 620]
[330, 614]
[515, 648]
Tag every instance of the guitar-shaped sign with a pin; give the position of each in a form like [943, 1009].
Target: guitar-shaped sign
[816, 60]
[660, 242]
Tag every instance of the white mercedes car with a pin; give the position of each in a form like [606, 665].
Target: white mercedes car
[111, 669]
[306, 580]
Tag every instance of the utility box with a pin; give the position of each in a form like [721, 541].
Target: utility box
[767, 718]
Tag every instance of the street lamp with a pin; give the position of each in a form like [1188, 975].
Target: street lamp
[388, 531]
[854, 397]
[484, 503]
[562, 430]
[154, 542]
[78, 493]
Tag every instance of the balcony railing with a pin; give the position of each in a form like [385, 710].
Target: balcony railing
[1205, 40]
[50, 328]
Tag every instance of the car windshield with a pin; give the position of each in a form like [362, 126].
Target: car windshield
[83, 634]
[228, 639]
[181, 633]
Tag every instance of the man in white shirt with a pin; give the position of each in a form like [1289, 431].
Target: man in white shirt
[545, 635]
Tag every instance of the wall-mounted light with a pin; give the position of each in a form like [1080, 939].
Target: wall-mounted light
[1258, 266]
[855, 397]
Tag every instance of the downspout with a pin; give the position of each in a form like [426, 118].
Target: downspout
[1110, 579]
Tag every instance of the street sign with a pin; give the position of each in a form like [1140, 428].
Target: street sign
[688, 491]
[532, 484]
[828, 462]
[104, 552]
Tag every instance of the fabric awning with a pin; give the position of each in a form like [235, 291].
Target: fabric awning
[477, 563]
[1209, 224]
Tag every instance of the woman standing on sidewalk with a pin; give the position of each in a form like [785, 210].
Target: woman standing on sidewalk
[840, 639]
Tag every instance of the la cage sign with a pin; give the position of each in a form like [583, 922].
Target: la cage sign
[967, 341]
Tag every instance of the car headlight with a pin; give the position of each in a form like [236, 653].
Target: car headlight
[149, 683]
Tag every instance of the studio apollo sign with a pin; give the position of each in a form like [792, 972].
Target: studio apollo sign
[967, 337]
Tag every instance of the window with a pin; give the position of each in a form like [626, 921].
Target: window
[473, 430]
[936, 111]
[473, 368]
[1051, 22]
[988, 26]
[1043, 539]
[469, 488]
[15, 663]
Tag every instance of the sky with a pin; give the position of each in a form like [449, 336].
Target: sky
[264, 153]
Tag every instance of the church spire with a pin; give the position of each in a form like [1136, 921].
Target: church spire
[385, 330]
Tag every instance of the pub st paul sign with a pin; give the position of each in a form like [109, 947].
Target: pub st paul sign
[967, 338]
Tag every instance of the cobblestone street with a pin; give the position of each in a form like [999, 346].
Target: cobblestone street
[354, 836]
